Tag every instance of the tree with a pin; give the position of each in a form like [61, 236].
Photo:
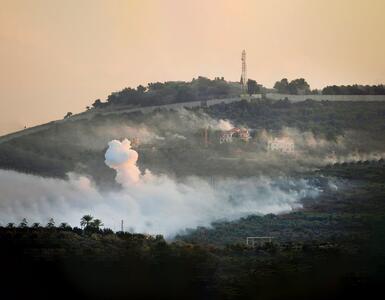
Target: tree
[252, 87]
[97, 103]
[51, 223]
[36, 225]
[299, 87]
[296, 87]
[141, 89]
[68, 115]
[154, 86]
[97, 223]
[315, 92]
[11, 225]
[85, 221]
[282, 86]
[23, 223]
[65, 226]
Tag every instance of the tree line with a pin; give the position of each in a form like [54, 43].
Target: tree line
[354, 89]
[202, 88]
[301, 87]
[159, 93]
[87, 224]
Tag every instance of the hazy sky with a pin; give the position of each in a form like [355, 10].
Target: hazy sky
[58, 56]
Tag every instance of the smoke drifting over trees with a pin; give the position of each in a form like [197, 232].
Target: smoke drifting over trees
[147, 203]
[193, 179]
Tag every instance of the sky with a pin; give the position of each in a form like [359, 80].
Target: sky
[59, 56]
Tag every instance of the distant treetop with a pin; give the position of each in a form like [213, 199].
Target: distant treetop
[296, 87]
[354, 89]
[158, 93]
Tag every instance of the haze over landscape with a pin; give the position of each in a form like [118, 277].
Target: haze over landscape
[57, 57]
[192, 149]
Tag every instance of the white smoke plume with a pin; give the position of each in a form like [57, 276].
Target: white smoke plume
[304, 141]
[315, 151]
[158, 128]
[122, 158]
[147, 203]
[223, 125]
[184, 120]
[353, 157]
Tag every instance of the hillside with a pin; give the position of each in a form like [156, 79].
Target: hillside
[167, 138]
[326, 251]
[322, 203]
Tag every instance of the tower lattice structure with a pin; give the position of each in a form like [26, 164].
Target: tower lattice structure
[244, 73]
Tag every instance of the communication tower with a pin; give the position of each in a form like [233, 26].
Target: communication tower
[244, 73]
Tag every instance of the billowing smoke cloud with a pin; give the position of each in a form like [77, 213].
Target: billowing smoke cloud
[159, 206]
[122, 158]
[146, 203]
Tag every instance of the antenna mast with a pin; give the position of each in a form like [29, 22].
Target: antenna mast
[244, 73]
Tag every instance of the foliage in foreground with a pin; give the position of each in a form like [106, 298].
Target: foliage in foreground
[106, 265]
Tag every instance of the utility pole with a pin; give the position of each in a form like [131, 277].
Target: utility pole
[122, 226]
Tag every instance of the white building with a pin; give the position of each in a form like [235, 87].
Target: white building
[284, 145]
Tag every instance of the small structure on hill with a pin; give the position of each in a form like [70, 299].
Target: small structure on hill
[284, 145]
[255, 241]
[227, 136]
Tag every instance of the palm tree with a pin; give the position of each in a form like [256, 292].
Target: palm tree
[85, 221]
[97, 223]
